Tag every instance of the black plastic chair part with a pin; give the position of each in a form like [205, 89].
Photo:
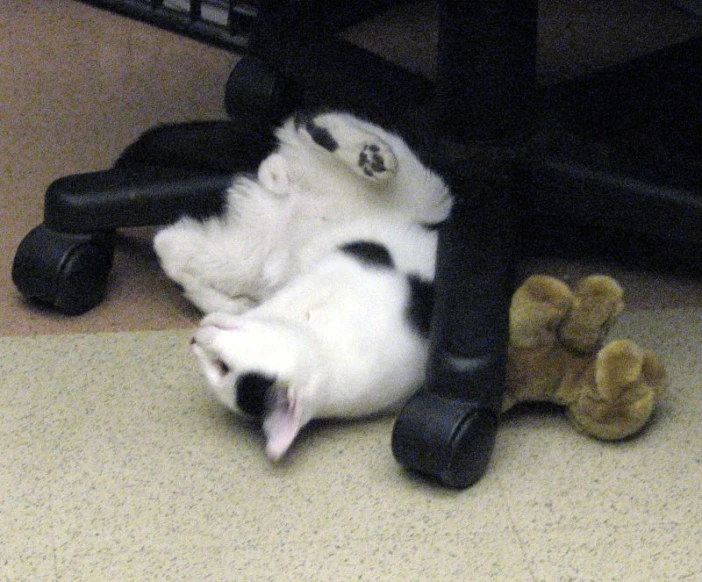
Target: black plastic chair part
[171, 171]
[447, 431]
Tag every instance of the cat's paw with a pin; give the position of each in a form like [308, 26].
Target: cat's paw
[273, 174]
[363, 152]
[376, 160]
[238, 363]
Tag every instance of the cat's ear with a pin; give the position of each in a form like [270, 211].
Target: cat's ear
[282, 423]
[273, 174]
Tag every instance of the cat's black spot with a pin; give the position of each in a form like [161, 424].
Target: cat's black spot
[420, 305]
[252, 392]
[320, 135]
[433, 226]
[369, 253]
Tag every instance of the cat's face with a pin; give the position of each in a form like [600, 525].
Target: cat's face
[260, 369]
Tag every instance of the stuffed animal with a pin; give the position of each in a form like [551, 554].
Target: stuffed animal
[556, 355]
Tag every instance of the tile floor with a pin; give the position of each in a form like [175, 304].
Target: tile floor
[116, 465]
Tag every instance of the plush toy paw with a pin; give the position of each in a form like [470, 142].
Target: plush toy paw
[556, 355]
[597, 301]
[620, 393]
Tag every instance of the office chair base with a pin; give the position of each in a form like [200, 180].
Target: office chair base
[65, 271]
[448, 440]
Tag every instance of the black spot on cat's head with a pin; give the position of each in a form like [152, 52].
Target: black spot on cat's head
[320, 135]
[433, 226]
[369, 253]
[252, 392]
[420, 304]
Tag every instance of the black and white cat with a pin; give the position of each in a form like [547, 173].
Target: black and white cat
[318, 277]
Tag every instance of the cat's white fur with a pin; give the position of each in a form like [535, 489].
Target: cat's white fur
[270, 230]
[331, 331]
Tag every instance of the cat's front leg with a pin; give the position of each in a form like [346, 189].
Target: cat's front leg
[365, 153]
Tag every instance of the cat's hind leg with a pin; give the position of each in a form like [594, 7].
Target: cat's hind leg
[365, 153]
[209, 272]
[209, 300]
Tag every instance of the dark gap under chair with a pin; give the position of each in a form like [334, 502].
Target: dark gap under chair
[607, 163]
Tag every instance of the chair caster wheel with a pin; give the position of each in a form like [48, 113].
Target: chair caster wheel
[446, 439]
[256, 93]
[65, 271]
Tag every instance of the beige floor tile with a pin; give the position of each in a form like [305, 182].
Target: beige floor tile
[179, 564]
[563, 483]
[36, 564]
[651, 553]
[26, 525]
[332, 555]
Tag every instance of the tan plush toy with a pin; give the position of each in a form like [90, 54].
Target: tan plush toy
[556, 355]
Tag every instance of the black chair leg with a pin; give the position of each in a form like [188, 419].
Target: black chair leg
[447, 431]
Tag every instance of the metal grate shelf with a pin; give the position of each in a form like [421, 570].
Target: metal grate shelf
[222, 23]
